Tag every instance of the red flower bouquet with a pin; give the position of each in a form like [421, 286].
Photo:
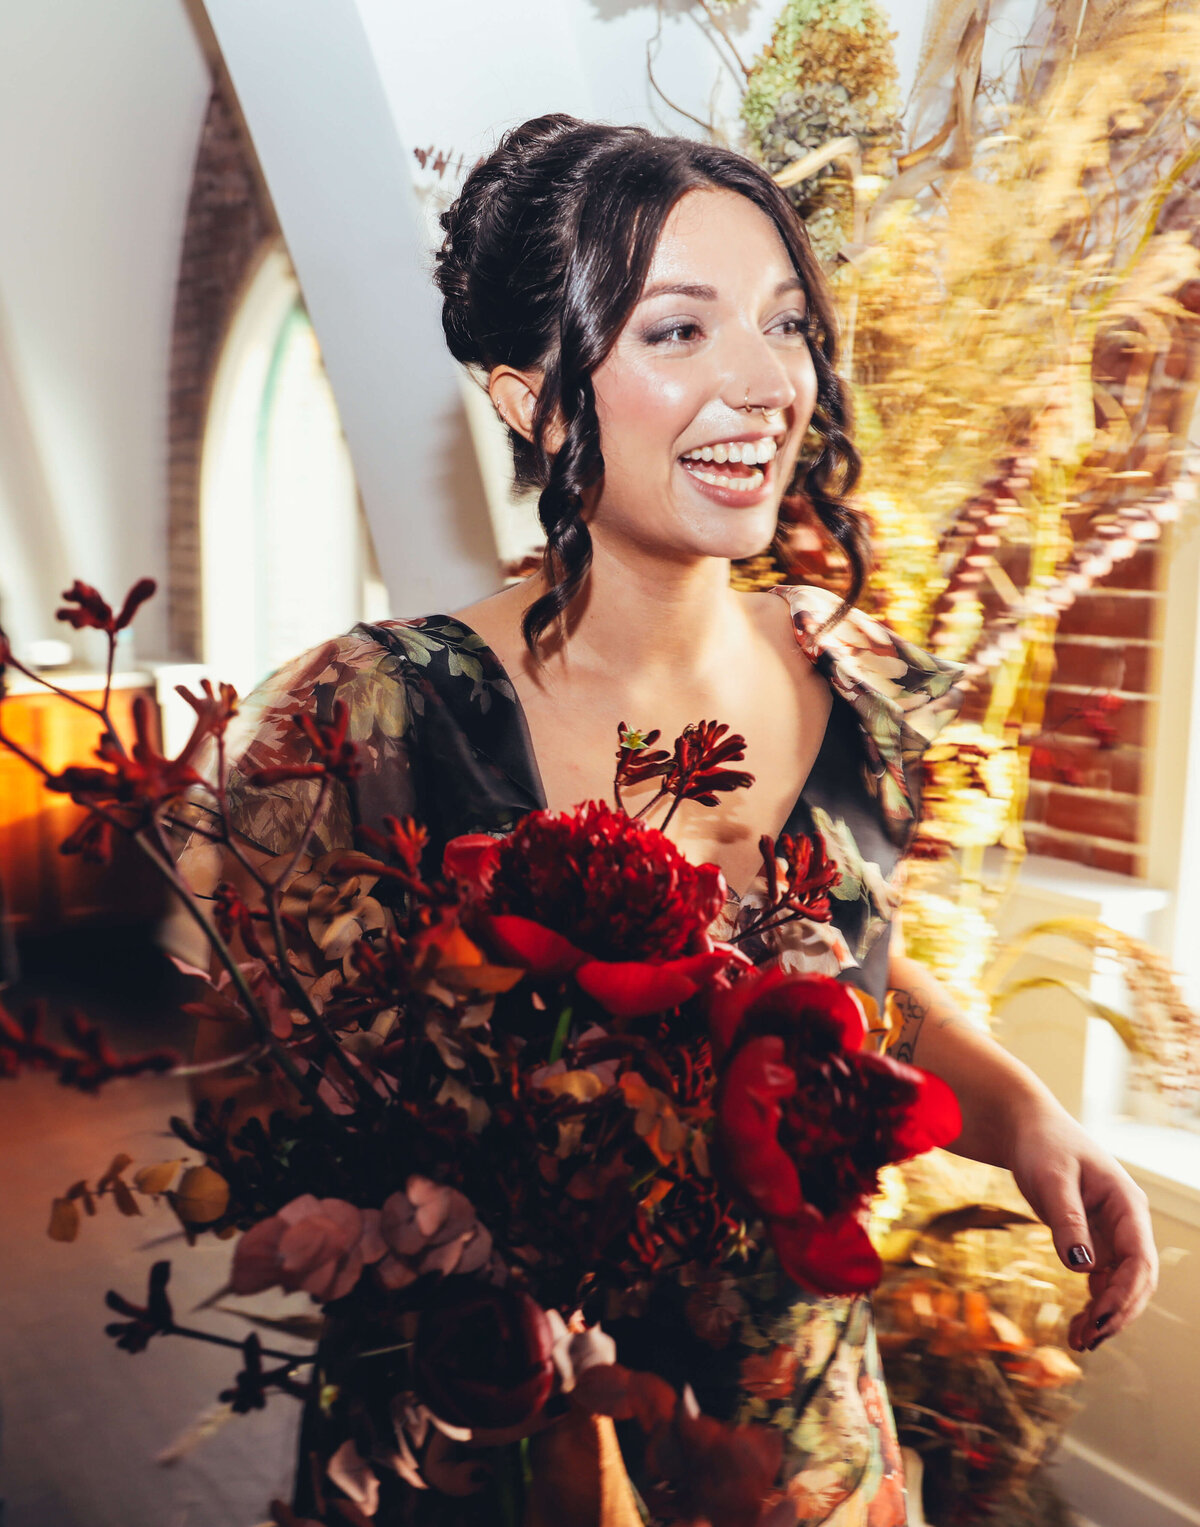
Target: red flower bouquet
[517, 1099]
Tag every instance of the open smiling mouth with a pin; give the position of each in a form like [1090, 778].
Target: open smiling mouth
[732, 471]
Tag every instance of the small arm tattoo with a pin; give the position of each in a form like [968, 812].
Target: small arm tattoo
[912, 1010]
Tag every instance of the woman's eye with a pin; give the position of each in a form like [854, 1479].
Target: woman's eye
[796, 324]
[683, 331]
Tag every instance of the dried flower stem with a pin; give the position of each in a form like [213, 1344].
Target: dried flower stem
[166, 867]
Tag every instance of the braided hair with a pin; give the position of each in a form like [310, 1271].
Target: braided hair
[545, 254]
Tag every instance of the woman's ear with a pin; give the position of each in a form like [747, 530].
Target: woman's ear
[514, 396]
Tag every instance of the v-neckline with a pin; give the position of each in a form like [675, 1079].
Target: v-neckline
[535, 785]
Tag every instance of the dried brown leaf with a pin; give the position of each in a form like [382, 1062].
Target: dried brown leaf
[974, 1217]
[116, 1166]
[64, 1220]
[202, 1196]
[124, 1199]
[157, 1178]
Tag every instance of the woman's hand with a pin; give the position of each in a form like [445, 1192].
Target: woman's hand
[1096, 1212]
[1098, 1215]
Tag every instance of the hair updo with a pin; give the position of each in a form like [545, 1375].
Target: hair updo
[545, 255]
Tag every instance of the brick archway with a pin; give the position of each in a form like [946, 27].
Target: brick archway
[230, 224]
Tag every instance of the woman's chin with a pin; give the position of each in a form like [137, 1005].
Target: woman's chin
[750, 538]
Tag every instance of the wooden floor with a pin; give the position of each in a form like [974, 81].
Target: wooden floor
[80, 1421]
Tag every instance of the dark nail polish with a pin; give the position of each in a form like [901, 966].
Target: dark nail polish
[1102, 1320]
[1080, 1256]
[1099, 1340]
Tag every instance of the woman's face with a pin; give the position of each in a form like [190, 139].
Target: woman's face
[722, 322]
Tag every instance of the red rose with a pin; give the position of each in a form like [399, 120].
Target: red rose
[806, 1119]
[482, 1355]
[595, 894]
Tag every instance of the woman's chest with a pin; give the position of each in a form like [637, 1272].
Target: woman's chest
[780, 711]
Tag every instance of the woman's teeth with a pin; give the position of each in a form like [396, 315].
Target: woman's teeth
[748, 452]
[745, 484]
[751, 454]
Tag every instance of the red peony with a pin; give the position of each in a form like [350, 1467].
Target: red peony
[483, 1355]
[595, 894]
[806, 1118]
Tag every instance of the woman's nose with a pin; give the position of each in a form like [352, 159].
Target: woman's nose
[758, 378]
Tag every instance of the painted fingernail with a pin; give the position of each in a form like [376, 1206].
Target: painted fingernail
[1099, 1339]
[1102, 1320]
[1080, 1256]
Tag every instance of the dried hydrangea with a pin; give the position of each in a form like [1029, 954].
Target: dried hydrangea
[828, 72]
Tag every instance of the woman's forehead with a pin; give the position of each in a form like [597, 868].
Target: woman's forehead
[716, 237]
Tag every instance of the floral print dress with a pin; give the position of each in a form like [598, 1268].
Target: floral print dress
[443, 738]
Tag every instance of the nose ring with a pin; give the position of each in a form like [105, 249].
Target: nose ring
[750, 408]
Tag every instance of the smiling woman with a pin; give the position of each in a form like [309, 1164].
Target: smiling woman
[555, 268]
[656, 334]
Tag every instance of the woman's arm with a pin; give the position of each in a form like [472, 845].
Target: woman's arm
[1098, 1215]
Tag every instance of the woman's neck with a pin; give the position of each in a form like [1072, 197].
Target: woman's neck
[640, 614]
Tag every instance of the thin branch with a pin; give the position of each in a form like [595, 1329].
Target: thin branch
[65, 694]
[226, 1063]
[108, 675]
[658, 90]
[292, 1359]
[164, 864]
[719, 26]
[15, 747]
[283, 972]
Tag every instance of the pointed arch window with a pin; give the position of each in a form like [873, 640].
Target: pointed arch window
[287, 558]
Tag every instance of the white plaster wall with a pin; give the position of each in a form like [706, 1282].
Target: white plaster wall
[100, 108]
[458, 75]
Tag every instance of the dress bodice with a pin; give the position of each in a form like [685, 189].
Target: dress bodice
[444, 738]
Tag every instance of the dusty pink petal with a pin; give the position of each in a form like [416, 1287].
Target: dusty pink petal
[319, 1280]
[394, 1274]
[445, 1257]
[458, 1218]
[476, 1251]
[398, 1226]
[433, 1210]
[307, 1246]
[350, 1472]
[404, 1461]
[372, 1245]
[345, 1217]
[347, 1272]
[591, 1348]
[299, 1208]
[256, 1257]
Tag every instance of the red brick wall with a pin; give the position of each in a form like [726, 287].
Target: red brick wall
[229, 223]
[1089, 765]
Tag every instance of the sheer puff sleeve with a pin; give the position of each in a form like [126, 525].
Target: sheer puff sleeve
[270, 818]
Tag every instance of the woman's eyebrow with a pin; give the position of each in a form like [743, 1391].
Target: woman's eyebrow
[680, 289]
[708, 293]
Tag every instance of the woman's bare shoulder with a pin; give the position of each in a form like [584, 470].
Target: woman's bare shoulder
[497, 618]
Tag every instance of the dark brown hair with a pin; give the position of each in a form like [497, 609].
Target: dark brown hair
[545, 255]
